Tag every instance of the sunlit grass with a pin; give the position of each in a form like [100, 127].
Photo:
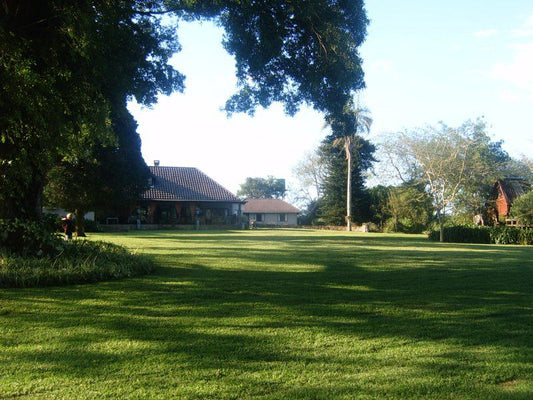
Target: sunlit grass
[281, 315]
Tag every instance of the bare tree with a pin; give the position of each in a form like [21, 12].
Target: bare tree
[438, 157]
[310, 174]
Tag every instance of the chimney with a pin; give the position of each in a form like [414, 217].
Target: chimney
[156, 163]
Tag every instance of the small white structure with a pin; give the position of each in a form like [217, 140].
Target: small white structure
[270, 212]
[59, 211]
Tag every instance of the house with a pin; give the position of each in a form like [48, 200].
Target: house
[186, 196]
[505, 191]
[271, 212]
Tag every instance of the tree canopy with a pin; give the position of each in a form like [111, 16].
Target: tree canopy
[523, 209]
[112, 178]
[66, 67]
[349, 140]
[332, 206]
[457, 166]
[262, 188]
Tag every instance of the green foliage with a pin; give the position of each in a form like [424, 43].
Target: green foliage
[463, 234]
[333, 204]
[67, 67]
[79, 261]
[404, 225]
[294, 52]
[106, 179]
[311, 216]
[457, 165]
[485, 234]
[488, 162]
[522, 209]
[410, 209]
[379, 212]
[29, 238]
[263, 188]
[511, 235]
[64, 67]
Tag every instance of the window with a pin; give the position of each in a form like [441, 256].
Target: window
[282, 218]
[259, 217]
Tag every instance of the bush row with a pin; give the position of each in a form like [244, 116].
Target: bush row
[485, 234]
[33, 253]
[79, 261]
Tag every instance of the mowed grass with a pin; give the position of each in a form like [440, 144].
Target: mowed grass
[281, 314]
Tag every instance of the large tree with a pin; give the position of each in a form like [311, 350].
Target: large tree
[65, 66]
[107, 179]
[456, 165]
[263, 188]
[488, 163]
[333, 205]
[346, 135]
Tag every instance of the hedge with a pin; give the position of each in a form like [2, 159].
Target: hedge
[485, 234]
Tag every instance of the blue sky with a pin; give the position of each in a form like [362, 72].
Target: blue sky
[424, 62]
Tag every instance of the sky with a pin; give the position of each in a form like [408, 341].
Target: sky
[424, 62]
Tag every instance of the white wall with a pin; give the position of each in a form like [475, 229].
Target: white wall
[274, 219]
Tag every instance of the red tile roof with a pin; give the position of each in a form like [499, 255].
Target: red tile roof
[268, 206]
[185, 184]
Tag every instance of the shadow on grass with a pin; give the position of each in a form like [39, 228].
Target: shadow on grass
[266, 303]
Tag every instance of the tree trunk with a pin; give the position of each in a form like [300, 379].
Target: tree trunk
[80, 223]
[441, 226]
[349, 187]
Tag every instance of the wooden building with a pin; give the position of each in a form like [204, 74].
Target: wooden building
[505, 191]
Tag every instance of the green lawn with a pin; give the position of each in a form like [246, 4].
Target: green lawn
[289, 314]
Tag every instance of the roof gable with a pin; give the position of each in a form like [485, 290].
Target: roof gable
[268, 206]
[185, 184]
[512, 188]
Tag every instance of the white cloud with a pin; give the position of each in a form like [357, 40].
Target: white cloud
[383, 66]
[486, 33]
[521, 33]
[529, 21]
[519, 71]
[509, 96]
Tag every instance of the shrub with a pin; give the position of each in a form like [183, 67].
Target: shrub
[403, 225]
[526, 236]
[523, 209]
[52, 222]
[79, 261]
[512, 235]
[29, 238]
[504, 235]
[484, 234]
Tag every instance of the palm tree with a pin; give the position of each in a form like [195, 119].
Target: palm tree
[359, 122]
